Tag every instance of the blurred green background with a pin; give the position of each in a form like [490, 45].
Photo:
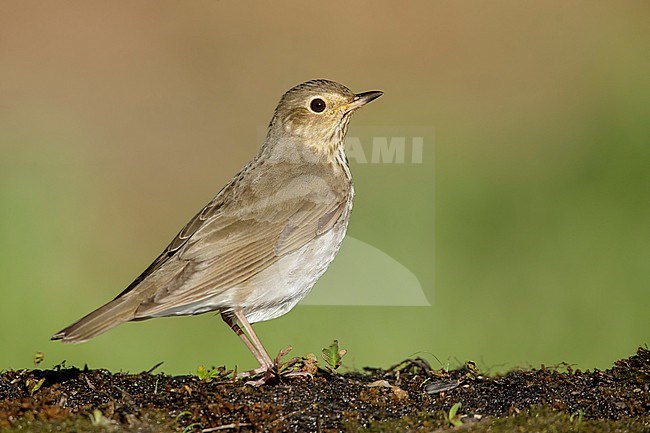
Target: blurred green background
[527, 224]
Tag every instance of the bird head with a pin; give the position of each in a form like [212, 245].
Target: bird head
[317, 113]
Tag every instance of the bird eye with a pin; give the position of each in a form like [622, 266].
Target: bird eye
[317, 105]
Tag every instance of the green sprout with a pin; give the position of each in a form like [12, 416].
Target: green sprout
[34, 385]
[192, 427]
[452, 417]
[578, 417]
[38, 358]
[207, 374]
[98, 419]
[333, 356]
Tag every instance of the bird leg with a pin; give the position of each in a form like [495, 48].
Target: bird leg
[254, 338]
[234, 319]
[264, 365]
[268, 366]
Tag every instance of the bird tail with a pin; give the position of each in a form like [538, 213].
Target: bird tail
[114, 313]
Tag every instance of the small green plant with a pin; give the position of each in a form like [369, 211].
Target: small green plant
[577, 416]
[34, 385]
[98, 419]
[471, 370]
[207, 374]
[452, 417]
[38, 358]
[333, 356]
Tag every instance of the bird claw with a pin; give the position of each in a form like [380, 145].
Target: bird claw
[251, 373]
[268, 374]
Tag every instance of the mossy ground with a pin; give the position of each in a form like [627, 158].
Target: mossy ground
[410, 397]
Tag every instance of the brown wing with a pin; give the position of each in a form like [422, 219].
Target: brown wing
[226, 245]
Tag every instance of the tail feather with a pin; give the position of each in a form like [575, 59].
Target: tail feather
[114, 313]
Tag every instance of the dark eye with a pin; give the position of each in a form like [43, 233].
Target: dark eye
[317, 105]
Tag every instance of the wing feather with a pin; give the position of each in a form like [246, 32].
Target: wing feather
[226, 248]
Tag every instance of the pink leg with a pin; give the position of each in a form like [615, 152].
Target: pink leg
[255, 339]
[236, 328]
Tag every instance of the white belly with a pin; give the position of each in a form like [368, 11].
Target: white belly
[278, 289]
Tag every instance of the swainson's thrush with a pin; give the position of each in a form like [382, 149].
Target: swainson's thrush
[260, 245]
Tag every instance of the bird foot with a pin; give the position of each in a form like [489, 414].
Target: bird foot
[259, 370]
[268, 374]
[278, 369]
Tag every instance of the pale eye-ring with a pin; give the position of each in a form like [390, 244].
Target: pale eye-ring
[317, 105]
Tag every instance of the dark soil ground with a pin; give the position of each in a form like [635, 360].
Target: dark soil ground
[409, 397]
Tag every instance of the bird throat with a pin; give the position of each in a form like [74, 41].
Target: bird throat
[333, 145]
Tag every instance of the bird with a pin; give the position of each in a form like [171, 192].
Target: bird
[257, 248]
